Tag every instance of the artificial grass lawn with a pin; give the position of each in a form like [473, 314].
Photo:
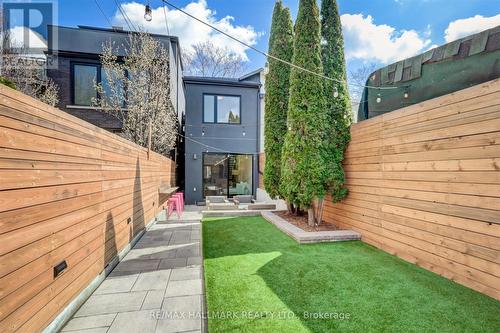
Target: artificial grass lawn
[251, 269]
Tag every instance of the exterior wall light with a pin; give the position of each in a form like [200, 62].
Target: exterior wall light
[195, 157]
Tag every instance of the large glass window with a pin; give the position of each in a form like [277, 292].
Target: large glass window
[84, 78]
[227, 174]
[221, 109]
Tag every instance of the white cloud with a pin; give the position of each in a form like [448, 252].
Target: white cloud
[188, 30]
[368, 41]
[464, 27]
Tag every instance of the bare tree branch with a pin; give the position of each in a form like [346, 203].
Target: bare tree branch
[136, 90]
[210, 60]
[357, 79]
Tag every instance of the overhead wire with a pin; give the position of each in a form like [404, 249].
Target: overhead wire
[125, 16]
[269, 55]
[103, 13]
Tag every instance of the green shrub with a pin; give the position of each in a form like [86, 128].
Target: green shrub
[277, 87]
[7, 82]
[304, 171]
[337, 96]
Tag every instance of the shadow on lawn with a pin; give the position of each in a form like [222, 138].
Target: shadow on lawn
[378, 291]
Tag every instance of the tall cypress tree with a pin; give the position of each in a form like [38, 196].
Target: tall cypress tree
[277, 86]
[304, 171]
[336, 94]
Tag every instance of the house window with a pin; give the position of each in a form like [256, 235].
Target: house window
[221, 109]
[85, 78]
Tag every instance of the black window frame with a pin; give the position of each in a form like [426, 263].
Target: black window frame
[98, 78]
[203, 154]
[99, 67]
[216, 120]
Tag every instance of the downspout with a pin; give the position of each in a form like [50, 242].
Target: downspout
[256, 181]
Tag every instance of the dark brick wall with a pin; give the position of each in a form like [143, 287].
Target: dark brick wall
[62, 77]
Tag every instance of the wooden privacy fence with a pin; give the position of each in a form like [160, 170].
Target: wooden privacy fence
[68, 191]
[424, 184]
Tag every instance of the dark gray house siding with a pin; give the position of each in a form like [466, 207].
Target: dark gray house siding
[213, 138]
[83, 45]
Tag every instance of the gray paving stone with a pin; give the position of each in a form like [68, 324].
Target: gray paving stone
[180, 314]
[173, 263]
[137, 265]
[117, 284]
[164, 252]
[188, 273]
[133, 296]
[112, 303]
[190, 250]
[85, 323]
[134, 322]
[194, 261]
[155, 280]
[153, 300]
[184, 288]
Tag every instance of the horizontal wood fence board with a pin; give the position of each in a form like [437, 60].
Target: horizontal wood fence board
[68, 191]
[424, 184]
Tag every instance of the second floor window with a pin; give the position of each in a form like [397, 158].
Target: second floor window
[221, 109]
[85, 77]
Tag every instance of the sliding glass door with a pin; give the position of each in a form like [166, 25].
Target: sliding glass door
[227, 174]
[215, 171]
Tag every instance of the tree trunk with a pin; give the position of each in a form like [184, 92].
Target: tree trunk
[310, 216]
[320, 210]
[289, 207]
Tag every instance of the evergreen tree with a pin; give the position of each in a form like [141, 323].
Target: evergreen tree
[277, 86]
[304, 171]
[336, 94]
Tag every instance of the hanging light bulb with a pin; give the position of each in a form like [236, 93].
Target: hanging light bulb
[203, 132]
[335, 92]
[244, 133]
[379, 98]
[148, 13]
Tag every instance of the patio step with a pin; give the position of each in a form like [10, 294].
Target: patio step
[304, 237]
[230, 213]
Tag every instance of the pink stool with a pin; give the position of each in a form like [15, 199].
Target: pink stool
[180, 195]
[173, 203]
[180, 204]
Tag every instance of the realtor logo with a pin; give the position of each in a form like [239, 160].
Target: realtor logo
[25, 28]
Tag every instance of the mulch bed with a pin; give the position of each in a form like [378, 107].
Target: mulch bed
[300, 221]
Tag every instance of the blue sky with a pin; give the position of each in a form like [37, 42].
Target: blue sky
[374, 29]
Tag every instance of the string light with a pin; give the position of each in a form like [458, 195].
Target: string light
[406, 93]
[335, 92]
[148, 13]
[379, 98]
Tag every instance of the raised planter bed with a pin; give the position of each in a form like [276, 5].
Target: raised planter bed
[303, 237]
